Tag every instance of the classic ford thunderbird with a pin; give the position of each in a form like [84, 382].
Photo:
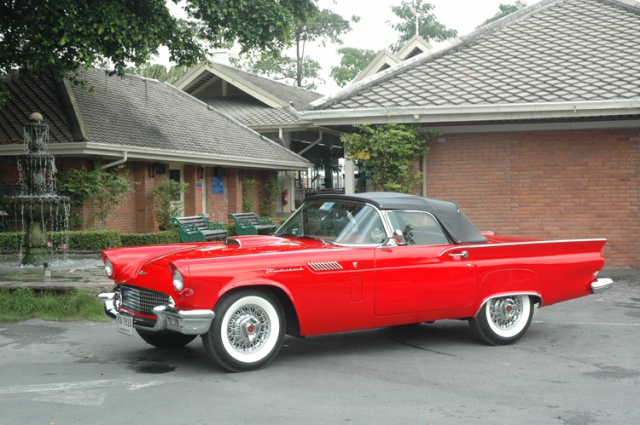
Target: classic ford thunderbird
[343, 263]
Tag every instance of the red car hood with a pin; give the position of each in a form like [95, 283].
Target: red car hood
[128, 262]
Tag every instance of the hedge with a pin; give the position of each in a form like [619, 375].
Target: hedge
[138, 239]
[87, 240]
[96, 240]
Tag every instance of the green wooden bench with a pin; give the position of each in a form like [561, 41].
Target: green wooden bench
[250, 224]
[197, 228]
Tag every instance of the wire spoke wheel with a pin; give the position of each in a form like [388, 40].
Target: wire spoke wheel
[248, 328]
[247, 331]
[503, 320]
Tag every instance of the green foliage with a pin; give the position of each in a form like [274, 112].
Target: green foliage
[79, 185]
[272, 191]
[159, 72]
[86, 240]
[505, 9]
[248, 200]
[68, 36]
[94, 240]
[387, 153]
[26, 303]
[106, 189]
[110, 191]
[323, 27]
[428, 26]
[139, 239]
[352, 62]
[166, 196]
[283, 68]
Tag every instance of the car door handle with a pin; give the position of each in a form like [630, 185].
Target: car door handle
[459, 255]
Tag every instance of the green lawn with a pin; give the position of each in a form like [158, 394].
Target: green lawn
[26, 303]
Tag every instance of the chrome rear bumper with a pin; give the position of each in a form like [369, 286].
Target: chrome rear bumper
[188, 322]
[601, 285]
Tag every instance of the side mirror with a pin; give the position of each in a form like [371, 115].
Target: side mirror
[398, 236]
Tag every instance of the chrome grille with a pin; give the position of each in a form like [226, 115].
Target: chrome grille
[142, 300]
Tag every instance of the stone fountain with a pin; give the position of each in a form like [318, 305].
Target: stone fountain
[38, 210]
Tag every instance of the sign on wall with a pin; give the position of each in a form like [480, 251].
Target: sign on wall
[216, 186]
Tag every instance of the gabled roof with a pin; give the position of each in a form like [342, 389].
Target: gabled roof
[276, 99]
[385, 59]
[414, 47]
[147, 119]
[554, 59]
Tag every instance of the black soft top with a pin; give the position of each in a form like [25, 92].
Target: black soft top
[447, 212]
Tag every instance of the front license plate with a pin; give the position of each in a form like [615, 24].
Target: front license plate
[125, 324]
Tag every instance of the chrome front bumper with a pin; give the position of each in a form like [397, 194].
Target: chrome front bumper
[601, 285]
[188, 322]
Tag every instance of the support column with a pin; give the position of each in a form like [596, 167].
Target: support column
[349, 180]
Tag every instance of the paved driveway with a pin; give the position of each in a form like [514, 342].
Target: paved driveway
[578, 364]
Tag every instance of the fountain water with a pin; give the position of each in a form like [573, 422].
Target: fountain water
[38, 210]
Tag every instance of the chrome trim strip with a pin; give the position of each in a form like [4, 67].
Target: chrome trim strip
[491, 245]
[601, 285]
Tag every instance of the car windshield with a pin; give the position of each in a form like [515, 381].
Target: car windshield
[336, 221]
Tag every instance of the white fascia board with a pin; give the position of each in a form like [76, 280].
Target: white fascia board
[188, 78]
[247, 87]
[274, 128]
[157, 155]
[455, 113]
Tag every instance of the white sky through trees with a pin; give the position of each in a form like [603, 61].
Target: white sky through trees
[373, 32]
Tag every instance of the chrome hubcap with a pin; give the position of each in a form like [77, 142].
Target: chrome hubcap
[248, 328]
[505, 312]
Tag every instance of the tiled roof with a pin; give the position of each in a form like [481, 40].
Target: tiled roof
[552, 51]
[300, 98]
[27, 96]
[134, 111]
[138, 113]
[250, 111]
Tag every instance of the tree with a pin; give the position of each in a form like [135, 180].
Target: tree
[110, 192]
[69, 35]
[325, 27]
[387, 153]
[166, 195]
[106, 189]
[505, 9]
[285, 68]
[159, 72]
[428, 26]
[352, 62]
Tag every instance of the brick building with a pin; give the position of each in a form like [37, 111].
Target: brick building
[540, 121]
[156, 130]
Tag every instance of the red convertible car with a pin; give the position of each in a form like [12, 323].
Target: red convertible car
[342, 263]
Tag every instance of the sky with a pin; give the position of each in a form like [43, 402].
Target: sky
[373, 32]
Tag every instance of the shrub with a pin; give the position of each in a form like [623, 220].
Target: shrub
[166, 197]
[138, 239]
[87, 240]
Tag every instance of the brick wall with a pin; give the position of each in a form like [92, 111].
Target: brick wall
[549, 184]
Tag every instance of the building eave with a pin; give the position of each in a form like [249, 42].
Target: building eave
[134, 153]
[432, 114]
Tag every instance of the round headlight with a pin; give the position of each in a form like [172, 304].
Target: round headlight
[108, 268]
[178, 282]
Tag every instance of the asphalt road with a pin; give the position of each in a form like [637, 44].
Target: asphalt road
[578, 364]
